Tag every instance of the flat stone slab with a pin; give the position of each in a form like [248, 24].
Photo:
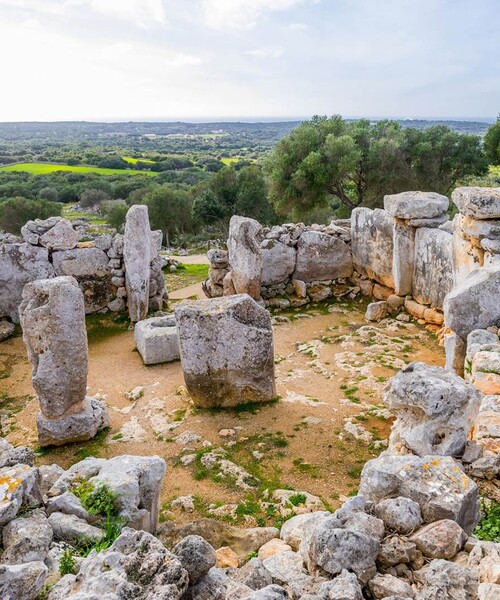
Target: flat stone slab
[478, 202]
[157, 340]
[416, 205]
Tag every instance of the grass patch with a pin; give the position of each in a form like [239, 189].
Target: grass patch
[46, 168]
[185, 275]
[297, 499]
[102, 327]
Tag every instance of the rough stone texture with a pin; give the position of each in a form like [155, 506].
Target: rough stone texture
[245, 255]
[384, 586]
[60, 237]
[141, 568]
[254, 574]
[477, 202]
[226, 349]
[376, 311]
[454, 347]
[403, 257]
[396, 550]
[442, 580]
[7, 329]
[53, 320]
[441, 539]
[433, 275]
[344, 587]
[479, 229]
[137, 259]
[416, 205]
[11, 456]
[90, 268]
[19, 489]
[473, 304]
[487, 426]
[372, 244]
[435, 411]
[20, 264]
[22, 582]
[485, 371]
[436, 483]
[26, 539]
[293, 530]
[466, 255]
[322, 257]
[399, 514]
[157, 340]
[278, 262]
[196, 555]
[71, 529]
[68, 504]
[79, 426]
[286, 569]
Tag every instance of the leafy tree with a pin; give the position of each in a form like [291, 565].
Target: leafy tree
[492, 143]
[356, 163]
[92, 198]
[14, 212]
[169, 210]
[49, 193]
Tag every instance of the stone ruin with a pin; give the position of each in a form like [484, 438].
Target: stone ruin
[407, 534]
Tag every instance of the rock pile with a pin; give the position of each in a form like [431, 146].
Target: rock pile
[52, 316]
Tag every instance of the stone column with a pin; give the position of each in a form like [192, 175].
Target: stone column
[245, 256]
[137, 259]
[52, 316]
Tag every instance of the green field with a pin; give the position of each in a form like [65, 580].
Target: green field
[46, 168]
[134, 161]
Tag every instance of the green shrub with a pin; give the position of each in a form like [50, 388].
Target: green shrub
[297, 499]
[67, 563]
[489, 527]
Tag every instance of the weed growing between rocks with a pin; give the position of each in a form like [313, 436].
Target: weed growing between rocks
[489, 526]
[67, 563]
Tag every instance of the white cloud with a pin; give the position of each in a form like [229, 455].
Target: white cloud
[297, 26]
[240, 14]
[265, 52]
[142, 12]
[182, 60]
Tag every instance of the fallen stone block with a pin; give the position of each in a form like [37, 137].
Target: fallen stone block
[416, 205]
[157, 340]
[477, 202]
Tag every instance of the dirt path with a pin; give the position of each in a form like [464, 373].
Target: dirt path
[191, 291]
[193, 259]
[331, 368]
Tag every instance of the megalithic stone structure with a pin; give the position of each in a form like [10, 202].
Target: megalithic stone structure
[52, 316]
[137, 259]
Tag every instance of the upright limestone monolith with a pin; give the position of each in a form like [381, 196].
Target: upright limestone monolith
[52, 316]
[137, 259]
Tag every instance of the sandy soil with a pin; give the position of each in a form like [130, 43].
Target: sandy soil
[331, 369]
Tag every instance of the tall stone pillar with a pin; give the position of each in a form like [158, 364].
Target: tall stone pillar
[52, 316]
[137, 260]
[245, 256]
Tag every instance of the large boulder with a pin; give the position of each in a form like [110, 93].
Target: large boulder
[157, 340]
[435, 410]
[478, 202]
[197, 556]
[22, 582]
[372, 244]
[60, 237]
[475, 302]
[434, 272]
[20, 264]
[227, 351]
[26, 539]
[436, 483]
[90, 267]
[245, 255]
[53, 321]
[416, 205]
[137, 259]
[322, 257]
[278, 262]
[442, 580]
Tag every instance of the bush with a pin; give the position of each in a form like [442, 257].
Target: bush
[93, 198]
[14, 212]
[489, 527]
[67, 563]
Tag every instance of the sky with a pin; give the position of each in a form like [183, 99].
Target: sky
[196, 59]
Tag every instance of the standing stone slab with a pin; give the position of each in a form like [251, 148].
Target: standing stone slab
[403, 257]
[53, 321]
[434, 273]
[372, 244]
[322, 257]
[278, 262]
[20, 264]
[227, 351]
[416, 205]
[478, 202]
[245, 255]
[137, 259]
[475, 302]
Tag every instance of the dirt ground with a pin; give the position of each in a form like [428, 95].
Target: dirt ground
[331, 369]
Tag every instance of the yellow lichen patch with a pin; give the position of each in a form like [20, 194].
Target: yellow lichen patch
[435, 462]
[11, 482]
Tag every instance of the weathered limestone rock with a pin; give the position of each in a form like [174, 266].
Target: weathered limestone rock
[477, 202]
[227, 351]
[7, 329]
[433, 275]
[485, 371]
[197, 556]
[436, 483]
[443, 579]
[479, 229]
[396, 550]
[71, 529]
[385, 586]
[68, 504]
[19, 488]
[473, 304]
[399, 514]
[322, 257]
[32, 230]
[372, 244]
[137, 259]
[245, 255]
[344, 587]
[416, 205]
[60, 237]
[435, 411]
[20, 264]
[403, 257]
[293, 530]
[278, 261]
[53, 320]
[286, 570]
[11, 456]
[157, 340]
[454, 347]
[22, 581]
[467, 256]
[487, 426]
[376, 311]
[90, 268]
[440, 539]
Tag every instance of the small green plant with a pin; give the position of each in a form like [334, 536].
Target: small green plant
[67, 563]
[251, 555]
[297, 499]
[489, 527]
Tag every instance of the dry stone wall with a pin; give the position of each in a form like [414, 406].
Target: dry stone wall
[50, 248]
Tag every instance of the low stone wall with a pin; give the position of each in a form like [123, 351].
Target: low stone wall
[51, 248]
